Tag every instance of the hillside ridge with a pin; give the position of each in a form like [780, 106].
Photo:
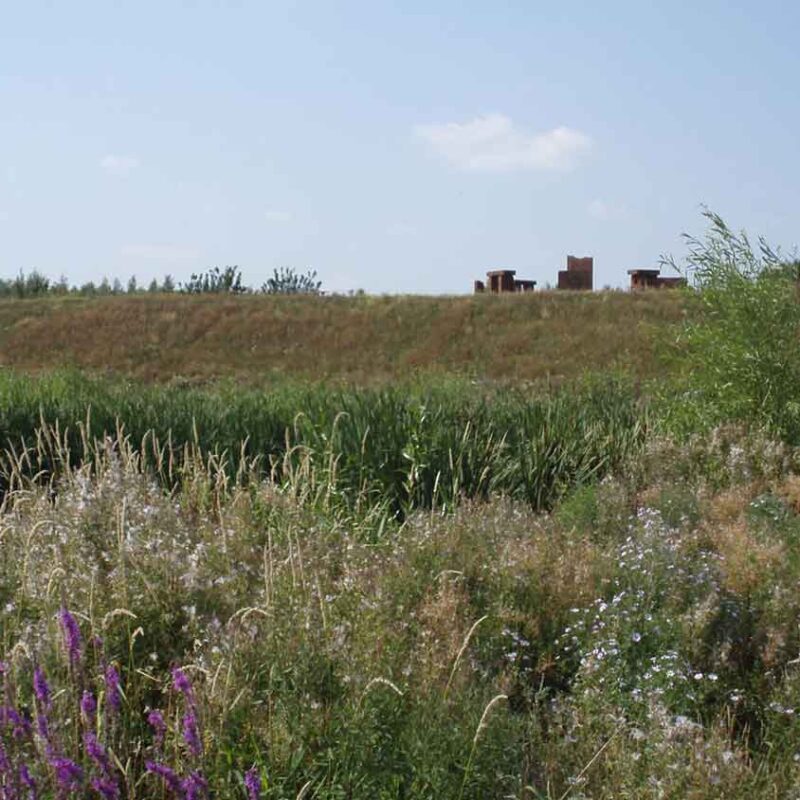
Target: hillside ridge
[369, 339]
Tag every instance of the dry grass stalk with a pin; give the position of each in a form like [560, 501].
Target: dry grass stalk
[461, 652]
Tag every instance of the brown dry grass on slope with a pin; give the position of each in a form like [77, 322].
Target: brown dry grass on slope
[547, 335]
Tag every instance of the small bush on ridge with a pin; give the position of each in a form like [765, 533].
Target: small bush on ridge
[738, 351]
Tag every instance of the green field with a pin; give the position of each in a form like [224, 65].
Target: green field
[477, 550]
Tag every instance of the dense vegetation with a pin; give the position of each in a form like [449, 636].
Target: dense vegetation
[391, 449]
[444, 589]
[214, 280]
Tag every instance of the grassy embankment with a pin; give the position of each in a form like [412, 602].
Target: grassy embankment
[363, 340]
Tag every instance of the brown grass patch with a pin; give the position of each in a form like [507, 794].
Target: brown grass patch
[747, 561]
[442, 618]
[729, 506]
[789, 490]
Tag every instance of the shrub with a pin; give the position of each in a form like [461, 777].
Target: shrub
[287, 281]
[213, 280]
[34, 284]
[738, 352]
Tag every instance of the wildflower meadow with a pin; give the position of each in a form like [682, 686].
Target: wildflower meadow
[435, 590]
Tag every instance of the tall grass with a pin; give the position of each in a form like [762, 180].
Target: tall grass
[397, 449]
[639, 642]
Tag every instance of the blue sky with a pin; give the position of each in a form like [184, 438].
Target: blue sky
[394, 147]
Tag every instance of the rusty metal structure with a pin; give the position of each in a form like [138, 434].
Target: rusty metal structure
[579, 274]
[502, 281]
[651, 279]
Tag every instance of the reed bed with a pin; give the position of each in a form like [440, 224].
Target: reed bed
[398, 449]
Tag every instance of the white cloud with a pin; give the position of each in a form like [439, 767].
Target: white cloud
[607, 212]
[493, 144]
[277, 216]
[159, 252]
[120, 166]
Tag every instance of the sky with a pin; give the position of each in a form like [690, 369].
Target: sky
[392, 147]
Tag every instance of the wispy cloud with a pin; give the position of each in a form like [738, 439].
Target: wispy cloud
[159, 252]
[120, 166]
[606, 211]
[277, 216]
[493, 143]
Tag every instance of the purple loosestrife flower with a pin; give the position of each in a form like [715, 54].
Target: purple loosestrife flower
[97, 752]
[43, 727]
[42, 692]
[26, 779]
[182, 684]
[7, 776]
[5, 764]
[113, 695]
[169, 776]
[69, 776]
[40, 687]
[106, 784]
[195, 786]
[106, 788]
[72, 635]
[252, 782]
[190, 733]
[21, 726]
[156, 721]
[88, 706]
